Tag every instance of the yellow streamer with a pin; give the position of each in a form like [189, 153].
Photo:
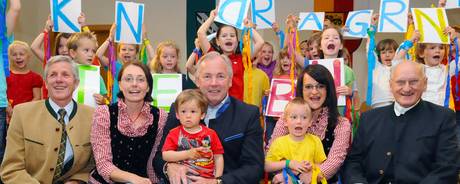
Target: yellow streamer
[315, 172]
[248, 64]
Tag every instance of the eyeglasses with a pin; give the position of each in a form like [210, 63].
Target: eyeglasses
[310, 87]
[130, 79]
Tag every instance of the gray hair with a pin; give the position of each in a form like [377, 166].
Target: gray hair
[212, 55]
[418, 66]
[58, 59]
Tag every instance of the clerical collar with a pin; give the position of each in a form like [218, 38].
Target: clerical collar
[400, 110]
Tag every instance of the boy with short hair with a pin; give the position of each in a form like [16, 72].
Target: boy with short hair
[192, 144]
[299, 151]
[82, 48]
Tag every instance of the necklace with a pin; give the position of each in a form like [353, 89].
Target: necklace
[138, 115]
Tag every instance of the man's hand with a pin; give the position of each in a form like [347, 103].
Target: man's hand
[201, 180]
[177, 173]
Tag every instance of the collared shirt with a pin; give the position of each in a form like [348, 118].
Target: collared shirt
[400, 110]
[68, 108]
[212, 112]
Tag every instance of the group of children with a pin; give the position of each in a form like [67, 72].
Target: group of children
[199, 147]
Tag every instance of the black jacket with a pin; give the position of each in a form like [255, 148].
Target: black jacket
[240, 133]
[421, 145]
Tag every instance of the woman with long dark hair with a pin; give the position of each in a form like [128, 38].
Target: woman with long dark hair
[316, 86]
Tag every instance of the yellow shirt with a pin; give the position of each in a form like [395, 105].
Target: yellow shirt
[260, 83]
[309, 149]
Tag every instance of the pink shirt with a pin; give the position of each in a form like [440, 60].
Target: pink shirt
[339, 148]
[100, 136]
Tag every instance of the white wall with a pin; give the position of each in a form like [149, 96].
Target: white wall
[165, 20]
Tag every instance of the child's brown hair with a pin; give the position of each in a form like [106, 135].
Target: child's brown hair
[191, 95]
[385, 45]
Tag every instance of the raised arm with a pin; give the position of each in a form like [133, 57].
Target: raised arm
[258, 40]
[406, 45]
[12, 16]
[201, 33]
[104, 46]
[148, 46]
[37, 44]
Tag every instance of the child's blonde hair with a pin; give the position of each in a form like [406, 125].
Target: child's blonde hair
[191, 95]
[297, 101]
[16, 44]
[155, 65]
[73, 41]
[278, 67]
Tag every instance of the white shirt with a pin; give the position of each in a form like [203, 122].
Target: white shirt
[436, 86]
[381, 92]
[68, 108]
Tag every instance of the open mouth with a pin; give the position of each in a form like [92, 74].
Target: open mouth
[437, 57]
[127, 58]
[229, 44]
[330, 46]
[315, 99]
[298, 128]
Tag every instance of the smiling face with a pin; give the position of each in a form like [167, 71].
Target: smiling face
[189, 114]
[214, 79]
[266, 54]
[331, 43]
[432, 54]
[60, 82]
[133, 84]
[227, 39]
[127, 53]
[19, 57]
[85, 51]
[313, 92]
[168, 59]
[408, 83]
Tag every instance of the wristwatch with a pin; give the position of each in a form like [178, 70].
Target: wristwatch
[219, 180]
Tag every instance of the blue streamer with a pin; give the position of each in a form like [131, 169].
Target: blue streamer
[371, 63]
[4, 38]
[243, 32]
[281, 37]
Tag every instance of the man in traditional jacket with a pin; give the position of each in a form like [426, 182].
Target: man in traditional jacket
[410, 141]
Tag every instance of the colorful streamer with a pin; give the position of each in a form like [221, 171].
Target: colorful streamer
[111, 72]
[246, 53]
[4, 38]
[293, 48]
[371, 63]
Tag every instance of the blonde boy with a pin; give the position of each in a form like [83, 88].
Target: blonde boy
[299, 151]
[82, 48]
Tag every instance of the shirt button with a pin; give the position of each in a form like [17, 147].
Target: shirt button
[51, 169]
[388, 153]
[381, 172]
[57, 129]
[55, 149]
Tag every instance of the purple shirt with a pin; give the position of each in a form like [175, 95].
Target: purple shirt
[268, 69]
